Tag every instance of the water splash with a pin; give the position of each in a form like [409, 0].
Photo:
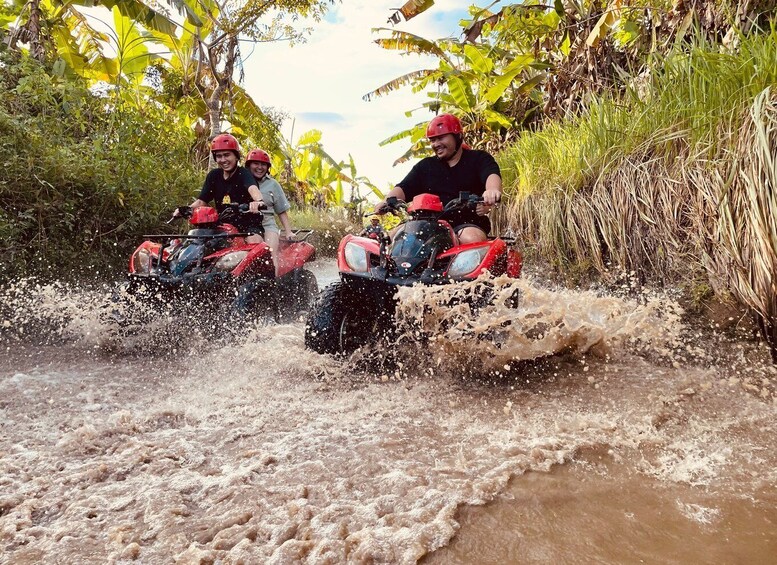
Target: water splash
[106, 319]
[520, 320]
[255, 449]
[53, 312]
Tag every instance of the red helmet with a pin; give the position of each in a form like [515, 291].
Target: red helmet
[204, 215]
[442, 124]
[259, 156]
[225, 142]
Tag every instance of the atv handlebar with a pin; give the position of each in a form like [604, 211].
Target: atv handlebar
[228, 211]
[393, 206]
[180, 212]
[465, 201]
[169, 237]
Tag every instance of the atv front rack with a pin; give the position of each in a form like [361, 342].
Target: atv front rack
[300, 235]
[187, 236]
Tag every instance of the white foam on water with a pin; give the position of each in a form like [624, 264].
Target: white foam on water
[252, 448]
[699, 513]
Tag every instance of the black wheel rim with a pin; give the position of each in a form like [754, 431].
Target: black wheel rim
[346, 334]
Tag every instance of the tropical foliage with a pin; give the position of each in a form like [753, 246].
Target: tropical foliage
[107, 122]
[187, 61]
[314, 178]
[79, 183]
[677, 184]
[644, 145]
[531, 62]
[84, 179]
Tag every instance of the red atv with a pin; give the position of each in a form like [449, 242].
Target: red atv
[360, 307]
[212, 263]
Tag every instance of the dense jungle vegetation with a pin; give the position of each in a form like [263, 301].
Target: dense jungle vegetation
[102, 137]
[634, 136]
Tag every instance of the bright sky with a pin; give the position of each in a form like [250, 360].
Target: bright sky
[320, 84]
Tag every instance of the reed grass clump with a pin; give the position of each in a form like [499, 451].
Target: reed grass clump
[676, 181]
[329, 227]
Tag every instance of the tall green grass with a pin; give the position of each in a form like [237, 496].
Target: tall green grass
[676, 181]
[691, 102]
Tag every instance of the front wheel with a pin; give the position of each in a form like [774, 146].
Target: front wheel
[341, 321]
[305, 291]
[255, 300]
[296, 293]
[130, 307]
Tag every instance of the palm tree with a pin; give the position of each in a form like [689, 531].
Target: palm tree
[474, 81]
[202, 50]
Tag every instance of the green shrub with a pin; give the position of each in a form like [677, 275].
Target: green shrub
[83, 175]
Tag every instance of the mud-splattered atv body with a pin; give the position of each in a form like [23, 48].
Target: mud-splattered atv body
[213, 265]
[425, 249]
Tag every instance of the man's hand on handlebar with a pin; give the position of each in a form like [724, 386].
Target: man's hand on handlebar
[256, 206]
[491, 198]
[390, 205]
[381, 207]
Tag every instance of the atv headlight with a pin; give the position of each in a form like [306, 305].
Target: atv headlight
[230, 260]
[467, 261]
[141, 261]
[356, 258]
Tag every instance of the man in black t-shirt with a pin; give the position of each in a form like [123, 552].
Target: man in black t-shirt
[454, 169]
[232, 184]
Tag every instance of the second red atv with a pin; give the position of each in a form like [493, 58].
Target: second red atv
[425, 249]
[213, 264]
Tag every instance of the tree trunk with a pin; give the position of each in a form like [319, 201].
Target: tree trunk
[223, 82]
[33, 27]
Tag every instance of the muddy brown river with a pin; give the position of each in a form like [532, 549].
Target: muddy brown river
[577, 427]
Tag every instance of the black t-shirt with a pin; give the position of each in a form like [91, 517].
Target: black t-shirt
[233, 190]
[468, 175]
